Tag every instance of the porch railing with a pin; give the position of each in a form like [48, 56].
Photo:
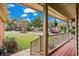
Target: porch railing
[53, 42]
[57, 40]
[35, 46]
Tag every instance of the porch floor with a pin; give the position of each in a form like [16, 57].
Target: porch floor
[67, 49]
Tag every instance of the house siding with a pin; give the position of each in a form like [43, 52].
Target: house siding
[1, 32]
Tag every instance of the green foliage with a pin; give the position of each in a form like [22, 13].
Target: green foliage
[23, 25]
[9, 23]
[52, 23]
[37, 22]
[23, 39]
[73, 30]
[55, 23]
[10, 44]
[62, 28]
[20, 24]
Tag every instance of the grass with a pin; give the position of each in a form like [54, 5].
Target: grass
[23, 39]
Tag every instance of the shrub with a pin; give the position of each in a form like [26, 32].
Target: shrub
[10, 44]
[2, 51]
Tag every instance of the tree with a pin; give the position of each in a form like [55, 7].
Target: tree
[37, 22]
[22, 25]
[55, 23]
[9, 25]
[50, 23]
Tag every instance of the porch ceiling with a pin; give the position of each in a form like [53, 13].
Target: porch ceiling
[3, 12]
[39, 7]
[66, 9]
[59, 10]
[78, 10]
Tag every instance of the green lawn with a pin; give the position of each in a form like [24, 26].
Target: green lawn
[23, 39]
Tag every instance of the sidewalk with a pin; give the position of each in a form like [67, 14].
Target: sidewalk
[22, 53]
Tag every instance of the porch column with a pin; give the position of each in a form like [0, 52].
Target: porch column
[66, 26]
[76, 31]
[71, 24]
[45, 30]
[67, 29]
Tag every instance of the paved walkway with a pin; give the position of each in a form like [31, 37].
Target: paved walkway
[22, 53]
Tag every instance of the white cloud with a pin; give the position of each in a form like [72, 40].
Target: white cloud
[12, 5]
[24, 15]
[28, 19]
[8, 12]
[28, 10]
[58, 20]
[35, 14]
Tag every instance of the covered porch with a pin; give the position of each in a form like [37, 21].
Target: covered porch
[61, 44]
[49, 44]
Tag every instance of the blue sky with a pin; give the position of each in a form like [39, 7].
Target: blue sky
[16, 11]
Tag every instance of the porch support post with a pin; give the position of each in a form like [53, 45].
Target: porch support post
[67, 29]
[66, 26]
[71, 24]
[45, 30]
[76, 30]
